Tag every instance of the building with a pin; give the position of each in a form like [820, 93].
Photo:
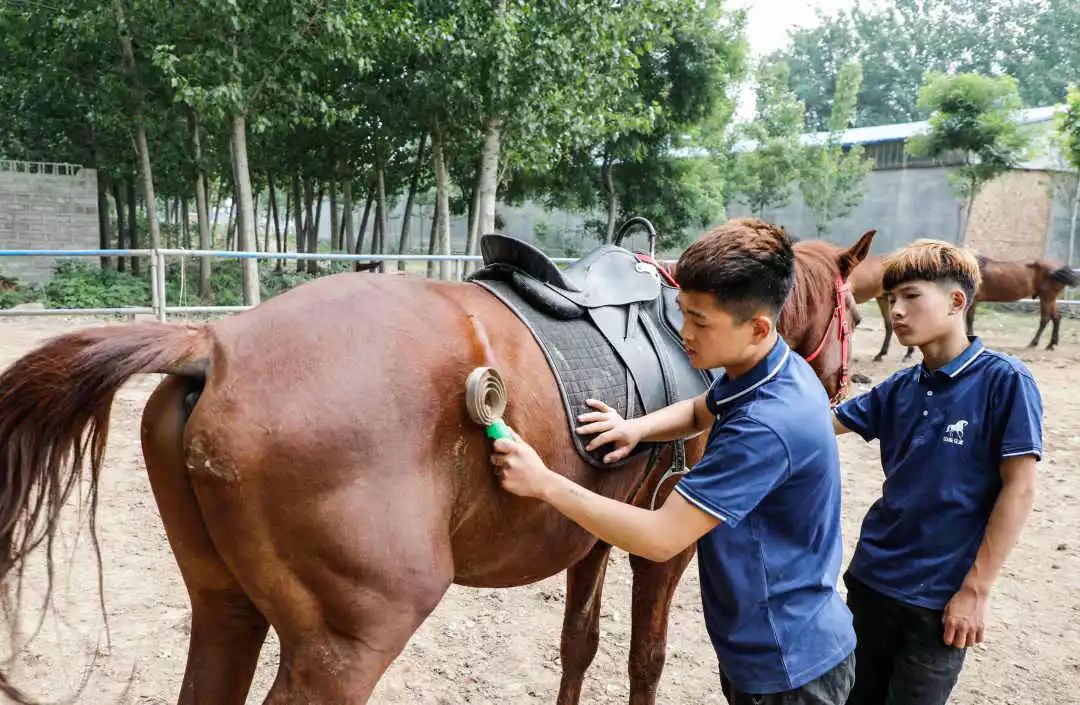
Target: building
[1025, 214]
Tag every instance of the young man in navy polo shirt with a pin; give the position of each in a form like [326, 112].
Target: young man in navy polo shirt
[960, 435]
[764, 502]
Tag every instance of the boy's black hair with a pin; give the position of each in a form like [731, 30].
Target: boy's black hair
[747, 264]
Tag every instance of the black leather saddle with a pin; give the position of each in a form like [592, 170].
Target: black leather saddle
[608, 325]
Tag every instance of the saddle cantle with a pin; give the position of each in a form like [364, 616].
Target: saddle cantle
[608, 325]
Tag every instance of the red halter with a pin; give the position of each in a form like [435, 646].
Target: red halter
[843, 332]
[839, 316]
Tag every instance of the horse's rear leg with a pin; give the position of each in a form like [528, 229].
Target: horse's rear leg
[339, 660]
[883, 306]
[227, 631]
[1046, 313]
[1056, 329]
[1055, 316]
[654, 588]
[581, 623]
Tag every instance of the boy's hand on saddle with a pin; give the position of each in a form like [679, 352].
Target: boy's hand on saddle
[965, 618]
[611, 428]
[519, 468]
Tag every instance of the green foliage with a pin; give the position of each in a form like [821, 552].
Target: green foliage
[973, 115]
[898, 41]
[767, 165]
[831, 175]
[77, 284]
[342, 86]
[12, 293]
[1068, 127]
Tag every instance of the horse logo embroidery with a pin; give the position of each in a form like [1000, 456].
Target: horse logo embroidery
[955, 433]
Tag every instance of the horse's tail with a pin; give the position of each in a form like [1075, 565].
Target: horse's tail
[1065, 275]
[54, 417]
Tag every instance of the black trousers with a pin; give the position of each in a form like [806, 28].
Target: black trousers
[831, 688]
[901, 657]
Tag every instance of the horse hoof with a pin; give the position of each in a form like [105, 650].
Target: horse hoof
[1049, 347]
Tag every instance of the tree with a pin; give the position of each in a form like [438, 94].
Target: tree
[897, 42]
[831, 175]
[767, 164]
[666, 168]
[972, 116]
[1068, 127]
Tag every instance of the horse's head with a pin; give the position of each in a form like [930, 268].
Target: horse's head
[820, 315]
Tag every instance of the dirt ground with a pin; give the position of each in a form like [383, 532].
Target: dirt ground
[501, 646]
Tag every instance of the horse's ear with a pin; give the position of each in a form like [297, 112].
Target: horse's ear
[850, 258]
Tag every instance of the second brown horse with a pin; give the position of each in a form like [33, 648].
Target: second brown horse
[1002, 281]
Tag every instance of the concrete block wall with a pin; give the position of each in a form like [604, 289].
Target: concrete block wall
[46, 211]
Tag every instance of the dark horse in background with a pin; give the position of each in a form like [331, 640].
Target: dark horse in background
[1011, 281]
[1002, 281]
[316, 470]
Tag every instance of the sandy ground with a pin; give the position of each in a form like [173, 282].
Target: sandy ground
[501, 646]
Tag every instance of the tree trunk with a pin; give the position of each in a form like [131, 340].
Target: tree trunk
[184, 223]
[272, 207]
[403, 241]
[347, 217]
[133, 226]
[218, 206]
[229, 226]
[201, 204]
[246, 219]
[141, 147]
[104, 236]
[269, 215]
[488, 182]
[335, 220]
[298, 213]
[442, 199]
[611, 197]
[473, 234]
[1073, 222]
[121, 233]
[362, 232]
[962, 235]
[255, 223]
[305, 233]
[313, 208]
[432, 236]
[381, 228]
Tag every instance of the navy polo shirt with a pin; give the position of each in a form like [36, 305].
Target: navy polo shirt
[943, 436]
[771, 474]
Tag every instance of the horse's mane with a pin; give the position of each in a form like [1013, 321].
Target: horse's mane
[814, 287]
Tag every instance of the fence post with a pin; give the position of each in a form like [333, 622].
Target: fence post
[159, 285]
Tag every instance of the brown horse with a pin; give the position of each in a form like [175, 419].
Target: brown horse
[316, 470]
[1011, 281]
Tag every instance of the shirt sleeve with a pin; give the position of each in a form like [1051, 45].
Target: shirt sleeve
[1022, 405]
[744, 461]
[864, 413]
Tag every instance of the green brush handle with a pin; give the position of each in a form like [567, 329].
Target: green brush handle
[498, 429]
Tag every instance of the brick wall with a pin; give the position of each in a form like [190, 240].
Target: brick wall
[1011, 216]
[46, 212]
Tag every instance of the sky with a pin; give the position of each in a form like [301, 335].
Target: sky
[768, 22]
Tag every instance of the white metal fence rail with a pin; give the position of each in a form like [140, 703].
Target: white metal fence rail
[158, 275]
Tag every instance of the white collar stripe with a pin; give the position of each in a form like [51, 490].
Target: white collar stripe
[763, 380]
